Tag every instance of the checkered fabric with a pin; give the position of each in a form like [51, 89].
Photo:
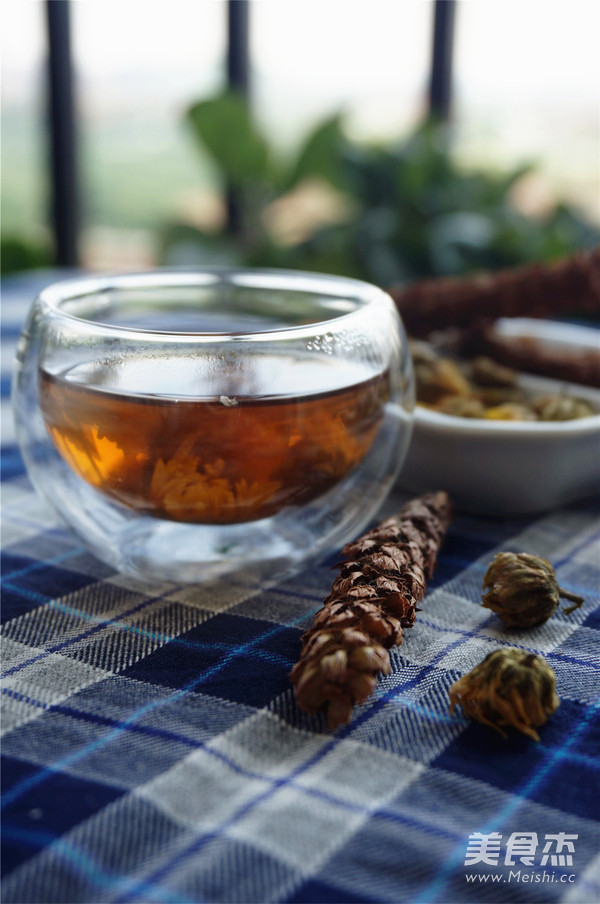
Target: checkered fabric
[153, 750]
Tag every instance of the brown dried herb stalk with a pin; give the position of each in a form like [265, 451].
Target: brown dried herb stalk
[373, 599]
[510, 687]
[527, 354]
[568, 286]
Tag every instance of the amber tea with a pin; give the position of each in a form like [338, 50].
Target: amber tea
[163, 438]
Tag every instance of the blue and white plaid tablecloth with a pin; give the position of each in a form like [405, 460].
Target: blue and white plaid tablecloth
[153, 751]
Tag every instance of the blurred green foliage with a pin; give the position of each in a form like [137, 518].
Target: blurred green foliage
[411, 210]
[17, 253]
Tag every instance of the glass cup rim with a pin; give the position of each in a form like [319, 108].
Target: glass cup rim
[365, 295]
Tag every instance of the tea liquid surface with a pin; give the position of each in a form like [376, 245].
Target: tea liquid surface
[198, 440]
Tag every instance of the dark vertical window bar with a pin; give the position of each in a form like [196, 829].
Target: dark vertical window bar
[440, 86]
[238, 49]
[238, 79]
[63, 151]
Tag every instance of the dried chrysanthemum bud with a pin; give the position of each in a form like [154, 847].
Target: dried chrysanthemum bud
[509, 688]
[523, 591]
[492, 396]
[461, 406]
[562, 408]
[509, 411]
[436, 377]
[487, 372]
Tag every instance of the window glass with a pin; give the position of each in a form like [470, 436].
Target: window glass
[312, 58]
[527, 87]
[25, 233]
[139, 66]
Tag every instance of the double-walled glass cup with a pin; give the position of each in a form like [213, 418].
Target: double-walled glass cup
[193, 424]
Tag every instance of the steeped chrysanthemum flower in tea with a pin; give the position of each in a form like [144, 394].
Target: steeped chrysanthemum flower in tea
[373, 599]
[511, 687]
[523, 591]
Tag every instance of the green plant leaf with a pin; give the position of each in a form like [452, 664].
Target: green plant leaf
[416, 210]
[226, 130]
[321, 155]
[21, 253]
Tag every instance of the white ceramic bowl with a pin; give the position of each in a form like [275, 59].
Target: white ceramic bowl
[511, 467]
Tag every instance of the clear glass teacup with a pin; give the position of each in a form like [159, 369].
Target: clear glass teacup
[193, 424]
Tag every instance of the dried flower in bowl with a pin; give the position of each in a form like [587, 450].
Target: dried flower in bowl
[509, 411]
[487, 372]
[523, 591]
[437, 378]
[485, 389]
[461, 406]
[511, 687]
[562, 407]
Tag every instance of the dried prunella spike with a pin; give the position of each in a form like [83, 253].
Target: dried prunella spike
[531, 355]
[339, 668]
[510, 687]
[523, 591]
[373, 599]
[567, 286]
